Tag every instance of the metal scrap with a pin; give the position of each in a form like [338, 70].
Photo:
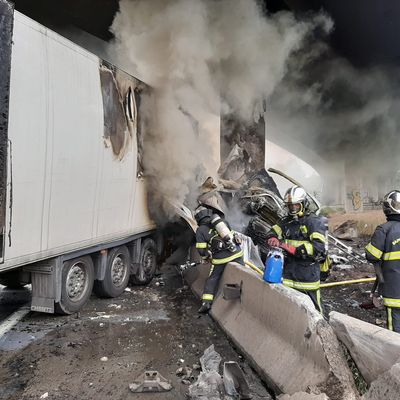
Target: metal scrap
[209, 385]
[234, 381]
[150, 381]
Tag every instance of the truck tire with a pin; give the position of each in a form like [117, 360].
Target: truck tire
[116, 278]
[147, 263]
[76, 285]
[11, 280]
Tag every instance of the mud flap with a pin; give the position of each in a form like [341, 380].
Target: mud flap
[46, 285]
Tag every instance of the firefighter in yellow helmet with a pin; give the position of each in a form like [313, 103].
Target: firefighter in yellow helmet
[303, 237]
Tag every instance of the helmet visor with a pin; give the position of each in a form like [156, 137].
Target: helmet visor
[294, 208]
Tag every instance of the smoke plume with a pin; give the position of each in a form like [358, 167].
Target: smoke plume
[347, 116]
[203, 58]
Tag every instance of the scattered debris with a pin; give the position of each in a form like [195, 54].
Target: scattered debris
[235, 382]
[44, 395]
[378, 302]
[347, 230]
[74, 344]
[336, 259]
[183, 371]
[150, 381]
[116, 306]
[343, 267]
[208, 386]
[210, 360]
[186, 374]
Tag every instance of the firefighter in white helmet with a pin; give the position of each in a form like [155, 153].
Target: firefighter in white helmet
[383, 251]
[217, 243]
[303, 236]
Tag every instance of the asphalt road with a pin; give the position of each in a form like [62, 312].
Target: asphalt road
[12, 300]
[97, 353]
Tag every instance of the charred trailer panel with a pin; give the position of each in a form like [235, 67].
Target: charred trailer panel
[6, 29]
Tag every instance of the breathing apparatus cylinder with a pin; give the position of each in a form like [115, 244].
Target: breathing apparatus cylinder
[223, 232]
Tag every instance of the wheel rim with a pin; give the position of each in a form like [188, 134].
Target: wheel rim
[77, 281]
[119, 270]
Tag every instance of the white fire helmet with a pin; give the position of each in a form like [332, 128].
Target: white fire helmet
[391, 203]
[296, 200]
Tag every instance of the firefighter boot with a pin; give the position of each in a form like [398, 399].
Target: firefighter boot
[205, 307]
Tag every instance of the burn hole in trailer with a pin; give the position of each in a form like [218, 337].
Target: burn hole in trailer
[115, 121]
[140, 128]
[123, 96]
[130, 106]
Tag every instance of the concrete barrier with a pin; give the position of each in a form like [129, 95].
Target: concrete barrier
[375, 350]
[288, 342]
[386, 387]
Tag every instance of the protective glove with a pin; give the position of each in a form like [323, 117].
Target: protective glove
[273, 242]
[301, 252]
[237, 239]
[288, 248]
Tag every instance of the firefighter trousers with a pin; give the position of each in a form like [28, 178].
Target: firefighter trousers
[393, 319]
[315, 296]
[212, 282]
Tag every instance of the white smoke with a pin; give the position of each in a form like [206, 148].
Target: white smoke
[203, 58]
[347, 116]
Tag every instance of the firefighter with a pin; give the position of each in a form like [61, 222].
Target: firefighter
[383, 251]
[303, 236]
[216, 243]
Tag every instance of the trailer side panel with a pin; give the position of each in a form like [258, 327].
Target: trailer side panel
[73, 186]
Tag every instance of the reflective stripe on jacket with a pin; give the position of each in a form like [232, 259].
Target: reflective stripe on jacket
[384, 248]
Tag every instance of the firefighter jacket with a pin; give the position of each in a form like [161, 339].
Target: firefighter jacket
[384, 248]
[309, 233]
[210, 244]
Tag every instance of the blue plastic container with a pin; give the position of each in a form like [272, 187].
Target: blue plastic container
[274, 266]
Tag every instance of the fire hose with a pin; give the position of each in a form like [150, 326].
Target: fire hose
[254, 267]
[349, 282]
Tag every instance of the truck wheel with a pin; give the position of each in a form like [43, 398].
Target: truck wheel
[77, 284]
[117, 273]
[11, 280]
[147, 263]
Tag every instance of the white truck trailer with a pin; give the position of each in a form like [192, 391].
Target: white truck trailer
[73, 209]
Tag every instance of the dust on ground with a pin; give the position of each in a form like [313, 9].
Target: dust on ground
[147, 328]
